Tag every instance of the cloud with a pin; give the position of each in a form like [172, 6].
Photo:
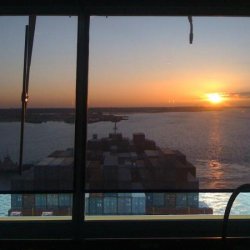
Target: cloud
[241, 95]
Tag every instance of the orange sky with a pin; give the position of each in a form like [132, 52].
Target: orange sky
[134, 61]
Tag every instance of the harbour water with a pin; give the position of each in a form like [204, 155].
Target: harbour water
[216, 142]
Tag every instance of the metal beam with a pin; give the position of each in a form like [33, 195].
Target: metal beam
[80, 123]
[127, 7]
[24, 103]
[29, 38]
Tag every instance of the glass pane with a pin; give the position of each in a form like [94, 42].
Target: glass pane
[11, 69]
[165, 114]
[49, 129]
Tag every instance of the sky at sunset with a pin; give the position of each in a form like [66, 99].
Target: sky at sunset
[134, 61]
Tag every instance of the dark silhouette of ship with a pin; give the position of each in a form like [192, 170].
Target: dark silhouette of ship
[114, 164]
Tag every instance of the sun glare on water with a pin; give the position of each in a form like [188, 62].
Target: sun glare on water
[214, 98]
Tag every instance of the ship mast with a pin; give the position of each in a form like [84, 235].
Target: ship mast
[29, 38]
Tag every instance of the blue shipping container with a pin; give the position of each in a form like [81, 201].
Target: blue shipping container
[52, 200]
[124, 205]
[124, 194]
[181, 200]
[138, 203]
[40, 201]
[193, 200]
[149, 200]
[158, 199]
[110, 205]
[65, 200]
[95, 206]
[16, 201]
[170, 200]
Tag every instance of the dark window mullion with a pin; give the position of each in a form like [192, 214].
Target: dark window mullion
[80, 123]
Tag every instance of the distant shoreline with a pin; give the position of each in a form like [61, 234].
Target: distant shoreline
[113, 114]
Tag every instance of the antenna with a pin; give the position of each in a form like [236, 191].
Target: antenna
[29, 38]
[115, 120]
[115, 127]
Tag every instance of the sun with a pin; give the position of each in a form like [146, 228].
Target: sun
[215, 98]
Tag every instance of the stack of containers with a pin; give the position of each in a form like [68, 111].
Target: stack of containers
[16, 201]
[138, 203]
[158, 199]
[149, 203]
[124, 203]
[181, 200]
[28, 201]
[65, 200]
[193, 200]
[170, 200]
[96, 204]
[110, 204]
[52, 201]
[86, 204]
[40, 201]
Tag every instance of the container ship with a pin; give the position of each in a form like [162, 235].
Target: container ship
[114, 164]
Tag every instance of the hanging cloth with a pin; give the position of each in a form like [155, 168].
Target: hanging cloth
[191, 35]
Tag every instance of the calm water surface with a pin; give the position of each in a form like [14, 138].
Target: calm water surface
[217, 143]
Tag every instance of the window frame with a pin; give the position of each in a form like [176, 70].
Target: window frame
[78, 228]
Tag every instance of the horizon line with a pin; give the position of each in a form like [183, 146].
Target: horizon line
[133, 107]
